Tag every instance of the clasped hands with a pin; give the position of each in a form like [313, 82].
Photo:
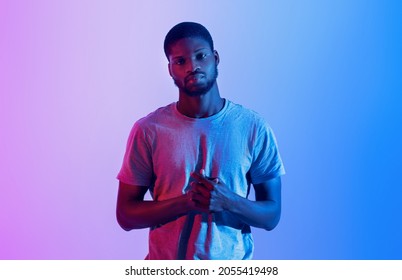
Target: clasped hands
[208, 194]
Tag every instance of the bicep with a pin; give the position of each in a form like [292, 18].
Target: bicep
[269, 190]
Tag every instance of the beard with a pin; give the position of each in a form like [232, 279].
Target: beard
[198, 90]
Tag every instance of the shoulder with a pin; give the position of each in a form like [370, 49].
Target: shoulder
[154, 118]
[149, 123]
[157, 115]
[243, 111]
[247, 116]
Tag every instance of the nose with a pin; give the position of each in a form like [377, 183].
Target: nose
[192, 66]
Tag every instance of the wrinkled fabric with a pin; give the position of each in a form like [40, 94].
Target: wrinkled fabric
[236, 145]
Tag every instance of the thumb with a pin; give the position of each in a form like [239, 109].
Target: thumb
[202, 172]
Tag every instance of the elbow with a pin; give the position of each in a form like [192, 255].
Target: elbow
[124, 226]
[272, 223]
[122, 221]
[271, 226]
[127, 222]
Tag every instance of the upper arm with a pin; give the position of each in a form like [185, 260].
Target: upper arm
[269, 190]
[130, 192]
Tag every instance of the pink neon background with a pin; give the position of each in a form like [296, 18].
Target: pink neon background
[75, 75]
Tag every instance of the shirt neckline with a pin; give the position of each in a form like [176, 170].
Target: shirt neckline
[210, 118]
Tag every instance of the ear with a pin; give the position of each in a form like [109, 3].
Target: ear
[216, 54]
[170, 71]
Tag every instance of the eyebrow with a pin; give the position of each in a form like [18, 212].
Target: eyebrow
[197, 50]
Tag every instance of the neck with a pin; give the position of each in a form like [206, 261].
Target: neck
[201, 106]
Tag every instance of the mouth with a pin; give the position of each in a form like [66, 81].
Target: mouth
[193, 78]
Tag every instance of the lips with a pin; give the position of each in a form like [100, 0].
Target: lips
[194, 77]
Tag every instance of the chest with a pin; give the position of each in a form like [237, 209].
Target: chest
[217, 150]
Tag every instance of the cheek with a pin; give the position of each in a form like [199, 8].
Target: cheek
[211, 70]
[175, 73]
[171, 71]
[210, 66]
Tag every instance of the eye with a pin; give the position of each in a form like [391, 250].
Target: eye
[201, 56]
[179, 61]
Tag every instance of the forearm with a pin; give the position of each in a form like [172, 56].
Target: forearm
[264, 212]
[138, 214]
[261, 214]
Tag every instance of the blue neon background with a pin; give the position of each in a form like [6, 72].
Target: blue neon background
[326, 75]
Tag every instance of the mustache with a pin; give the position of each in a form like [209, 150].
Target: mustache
[193, 73]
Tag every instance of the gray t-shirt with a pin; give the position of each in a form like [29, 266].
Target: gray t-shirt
[236, 145]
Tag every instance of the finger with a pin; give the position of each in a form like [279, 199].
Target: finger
[202, 174]
[203, 191]
[201, 188]
[197, 202]
[202, 180]
[197, 176]
[200, 200]
[200, 194]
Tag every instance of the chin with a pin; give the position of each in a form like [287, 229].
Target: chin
[195, 93]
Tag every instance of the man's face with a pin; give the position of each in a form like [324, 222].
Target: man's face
[193, 65]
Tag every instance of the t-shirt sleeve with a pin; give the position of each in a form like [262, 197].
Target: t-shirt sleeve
[137, 162]
[267, 163]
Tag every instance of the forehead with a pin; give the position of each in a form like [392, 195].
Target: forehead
[188, 46]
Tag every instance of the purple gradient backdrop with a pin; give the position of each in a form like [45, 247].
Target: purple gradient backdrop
[75, 75]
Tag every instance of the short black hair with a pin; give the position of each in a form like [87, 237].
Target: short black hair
[186, 30]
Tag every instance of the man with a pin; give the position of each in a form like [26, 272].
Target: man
[198, 158]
